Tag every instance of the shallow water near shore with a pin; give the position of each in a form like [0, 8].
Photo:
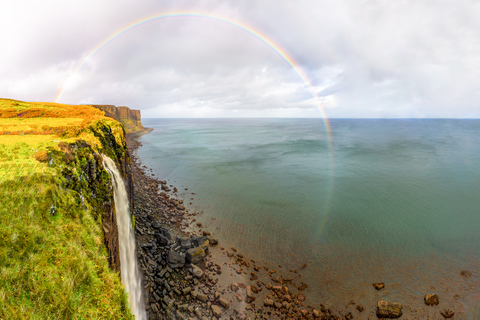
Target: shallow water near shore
[398, 203]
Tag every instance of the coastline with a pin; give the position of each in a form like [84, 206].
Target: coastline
[250, 290]
[231, 285]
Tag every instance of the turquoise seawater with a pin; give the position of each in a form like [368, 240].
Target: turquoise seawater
[395, 201]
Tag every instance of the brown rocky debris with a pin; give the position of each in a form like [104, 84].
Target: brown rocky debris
[389, 309]
[431, 300]
[378, 285]
[447, 313]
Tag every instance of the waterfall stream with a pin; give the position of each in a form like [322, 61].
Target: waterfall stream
[129, 270]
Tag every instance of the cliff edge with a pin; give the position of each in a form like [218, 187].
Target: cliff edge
[130, 118]
[59, 248]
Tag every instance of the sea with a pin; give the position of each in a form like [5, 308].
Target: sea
[353, 202]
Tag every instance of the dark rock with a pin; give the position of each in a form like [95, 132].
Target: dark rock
[162, 241]
[156, 225]
[389, 309]
[379, 285]
[201, 242]
[175, 260]
[360, 308]
[431, 299]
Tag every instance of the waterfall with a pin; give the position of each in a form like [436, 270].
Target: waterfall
[126, 239]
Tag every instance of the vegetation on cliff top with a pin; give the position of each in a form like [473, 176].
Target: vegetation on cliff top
[53, 262]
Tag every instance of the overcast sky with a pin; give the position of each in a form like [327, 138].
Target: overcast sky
[364, 58]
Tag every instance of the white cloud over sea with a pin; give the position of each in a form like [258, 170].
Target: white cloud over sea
[364, 58]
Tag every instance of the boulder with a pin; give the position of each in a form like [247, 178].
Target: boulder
[217, 312]
[195, 255]
[202, 297]
[389, 309]
[249, 292]
[185, 243]
[268, 302]
[234, 287]
[201, 242]
[196, 271]
[162, 241]
[175, 260]
[378, 285]
[431, 299]
[224, 302]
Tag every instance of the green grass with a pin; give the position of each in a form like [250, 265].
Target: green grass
[53, 262]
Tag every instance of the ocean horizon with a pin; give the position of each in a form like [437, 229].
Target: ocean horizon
[366, 200]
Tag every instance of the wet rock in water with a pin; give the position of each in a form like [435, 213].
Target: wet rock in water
[466, 274]
[249, 292]
[196, 271]
[379, 285]
[431, 299]
[224, 302]
[175, 260]
[195, 255]
[213, 241]
[268, 302]
[217, 312]
[234, 287]
[389, 309]
[447, 313]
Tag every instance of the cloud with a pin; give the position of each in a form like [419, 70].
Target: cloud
[367, 58]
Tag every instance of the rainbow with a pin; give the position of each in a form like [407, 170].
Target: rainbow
[241, 26]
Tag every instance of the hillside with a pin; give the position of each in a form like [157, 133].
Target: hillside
[59, 245]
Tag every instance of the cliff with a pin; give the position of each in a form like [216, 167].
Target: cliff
[130, 118]
[59, 251]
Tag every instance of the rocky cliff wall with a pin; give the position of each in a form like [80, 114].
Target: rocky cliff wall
[130, 118]
[84, 173]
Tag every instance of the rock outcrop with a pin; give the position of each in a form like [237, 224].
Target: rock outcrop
[130, 118]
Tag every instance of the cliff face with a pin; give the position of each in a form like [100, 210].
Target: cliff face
[130, 118]
[58, 211]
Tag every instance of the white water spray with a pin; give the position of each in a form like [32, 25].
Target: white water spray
[126, 239]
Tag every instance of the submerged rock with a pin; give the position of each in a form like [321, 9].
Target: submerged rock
[379, 285]
[431, 299]
[389, 309]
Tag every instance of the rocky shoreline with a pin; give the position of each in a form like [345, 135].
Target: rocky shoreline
[183, 275]
[188, 274]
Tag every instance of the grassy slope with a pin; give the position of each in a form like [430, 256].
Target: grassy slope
[53, 264]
